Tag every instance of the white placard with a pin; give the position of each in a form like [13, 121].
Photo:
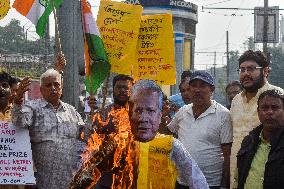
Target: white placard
[16, 165]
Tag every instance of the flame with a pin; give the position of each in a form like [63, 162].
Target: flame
[124, 151]
[120, 146]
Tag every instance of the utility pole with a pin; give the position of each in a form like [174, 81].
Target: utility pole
[265, 27]
[227, 50]
[71, 35]
[215, 65]
[46, 43]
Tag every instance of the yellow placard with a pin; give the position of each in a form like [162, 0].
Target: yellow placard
[119, 27]
[4, 8]
[156, 171]
[155, 50]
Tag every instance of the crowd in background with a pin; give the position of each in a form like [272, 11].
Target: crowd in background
[238, 145]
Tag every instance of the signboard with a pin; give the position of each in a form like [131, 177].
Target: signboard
[273, 25]
[181, 4]
[155, 50]
[16, 165]
[119, 28]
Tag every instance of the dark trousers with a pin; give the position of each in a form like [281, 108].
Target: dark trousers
[179, 186]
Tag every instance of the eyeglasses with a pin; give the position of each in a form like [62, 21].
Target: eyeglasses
[248, 69]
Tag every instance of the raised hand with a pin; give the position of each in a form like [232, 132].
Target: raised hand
[23, 87]
[60, 62]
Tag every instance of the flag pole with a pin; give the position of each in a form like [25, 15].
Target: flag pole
[90, 77]
[57, 34]
[105, 87]
[90, 62]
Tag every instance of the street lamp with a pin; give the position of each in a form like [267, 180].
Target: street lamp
[24, 29]
[27, 32]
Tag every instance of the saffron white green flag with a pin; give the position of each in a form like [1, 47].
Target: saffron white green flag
[37, 11]
[98, 70]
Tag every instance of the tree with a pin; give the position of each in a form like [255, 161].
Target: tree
[12, 40]
[249, 44]
[11, 36]
[276, 76]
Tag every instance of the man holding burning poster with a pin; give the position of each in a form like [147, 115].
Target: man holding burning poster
[140, 158]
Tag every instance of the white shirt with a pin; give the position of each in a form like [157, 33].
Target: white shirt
[202, 137]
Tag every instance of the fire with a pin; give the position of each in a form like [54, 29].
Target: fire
[116, 152]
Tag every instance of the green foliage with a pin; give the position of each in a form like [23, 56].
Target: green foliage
[276, 76]
[13, 40]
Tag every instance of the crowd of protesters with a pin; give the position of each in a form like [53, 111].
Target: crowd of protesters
[238, 145]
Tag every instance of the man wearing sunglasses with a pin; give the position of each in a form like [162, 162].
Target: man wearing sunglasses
[254, 70]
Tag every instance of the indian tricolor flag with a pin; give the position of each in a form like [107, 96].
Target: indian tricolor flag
[96, 60]
[37, 11]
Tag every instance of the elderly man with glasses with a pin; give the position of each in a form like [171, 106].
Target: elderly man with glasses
[254, 70]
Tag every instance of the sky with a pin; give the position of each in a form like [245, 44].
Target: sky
[211, 27]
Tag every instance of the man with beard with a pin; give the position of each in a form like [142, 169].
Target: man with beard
[260, 159]
[254, 71]
[122, 85]
[204, 128]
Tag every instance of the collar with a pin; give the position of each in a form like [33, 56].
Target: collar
[210, 110]
[263, 140]
[44, 104]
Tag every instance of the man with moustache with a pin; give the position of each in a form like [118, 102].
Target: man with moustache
[260, 160]
[254, 71]
[122, 85]
[54, 128]
[204, 128]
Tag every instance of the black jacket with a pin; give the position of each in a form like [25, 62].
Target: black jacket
[274, 167]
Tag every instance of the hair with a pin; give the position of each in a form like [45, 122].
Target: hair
[256, 56]
[4, 76]
[186, 79]
[15, 80]
[49, 73]
[150, 85]
[271, 93]
[234, 83]
[121, 77]
[185, 74]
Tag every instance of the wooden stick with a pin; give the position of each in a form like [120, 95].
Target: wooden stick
[57, 34]
[105, 87]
